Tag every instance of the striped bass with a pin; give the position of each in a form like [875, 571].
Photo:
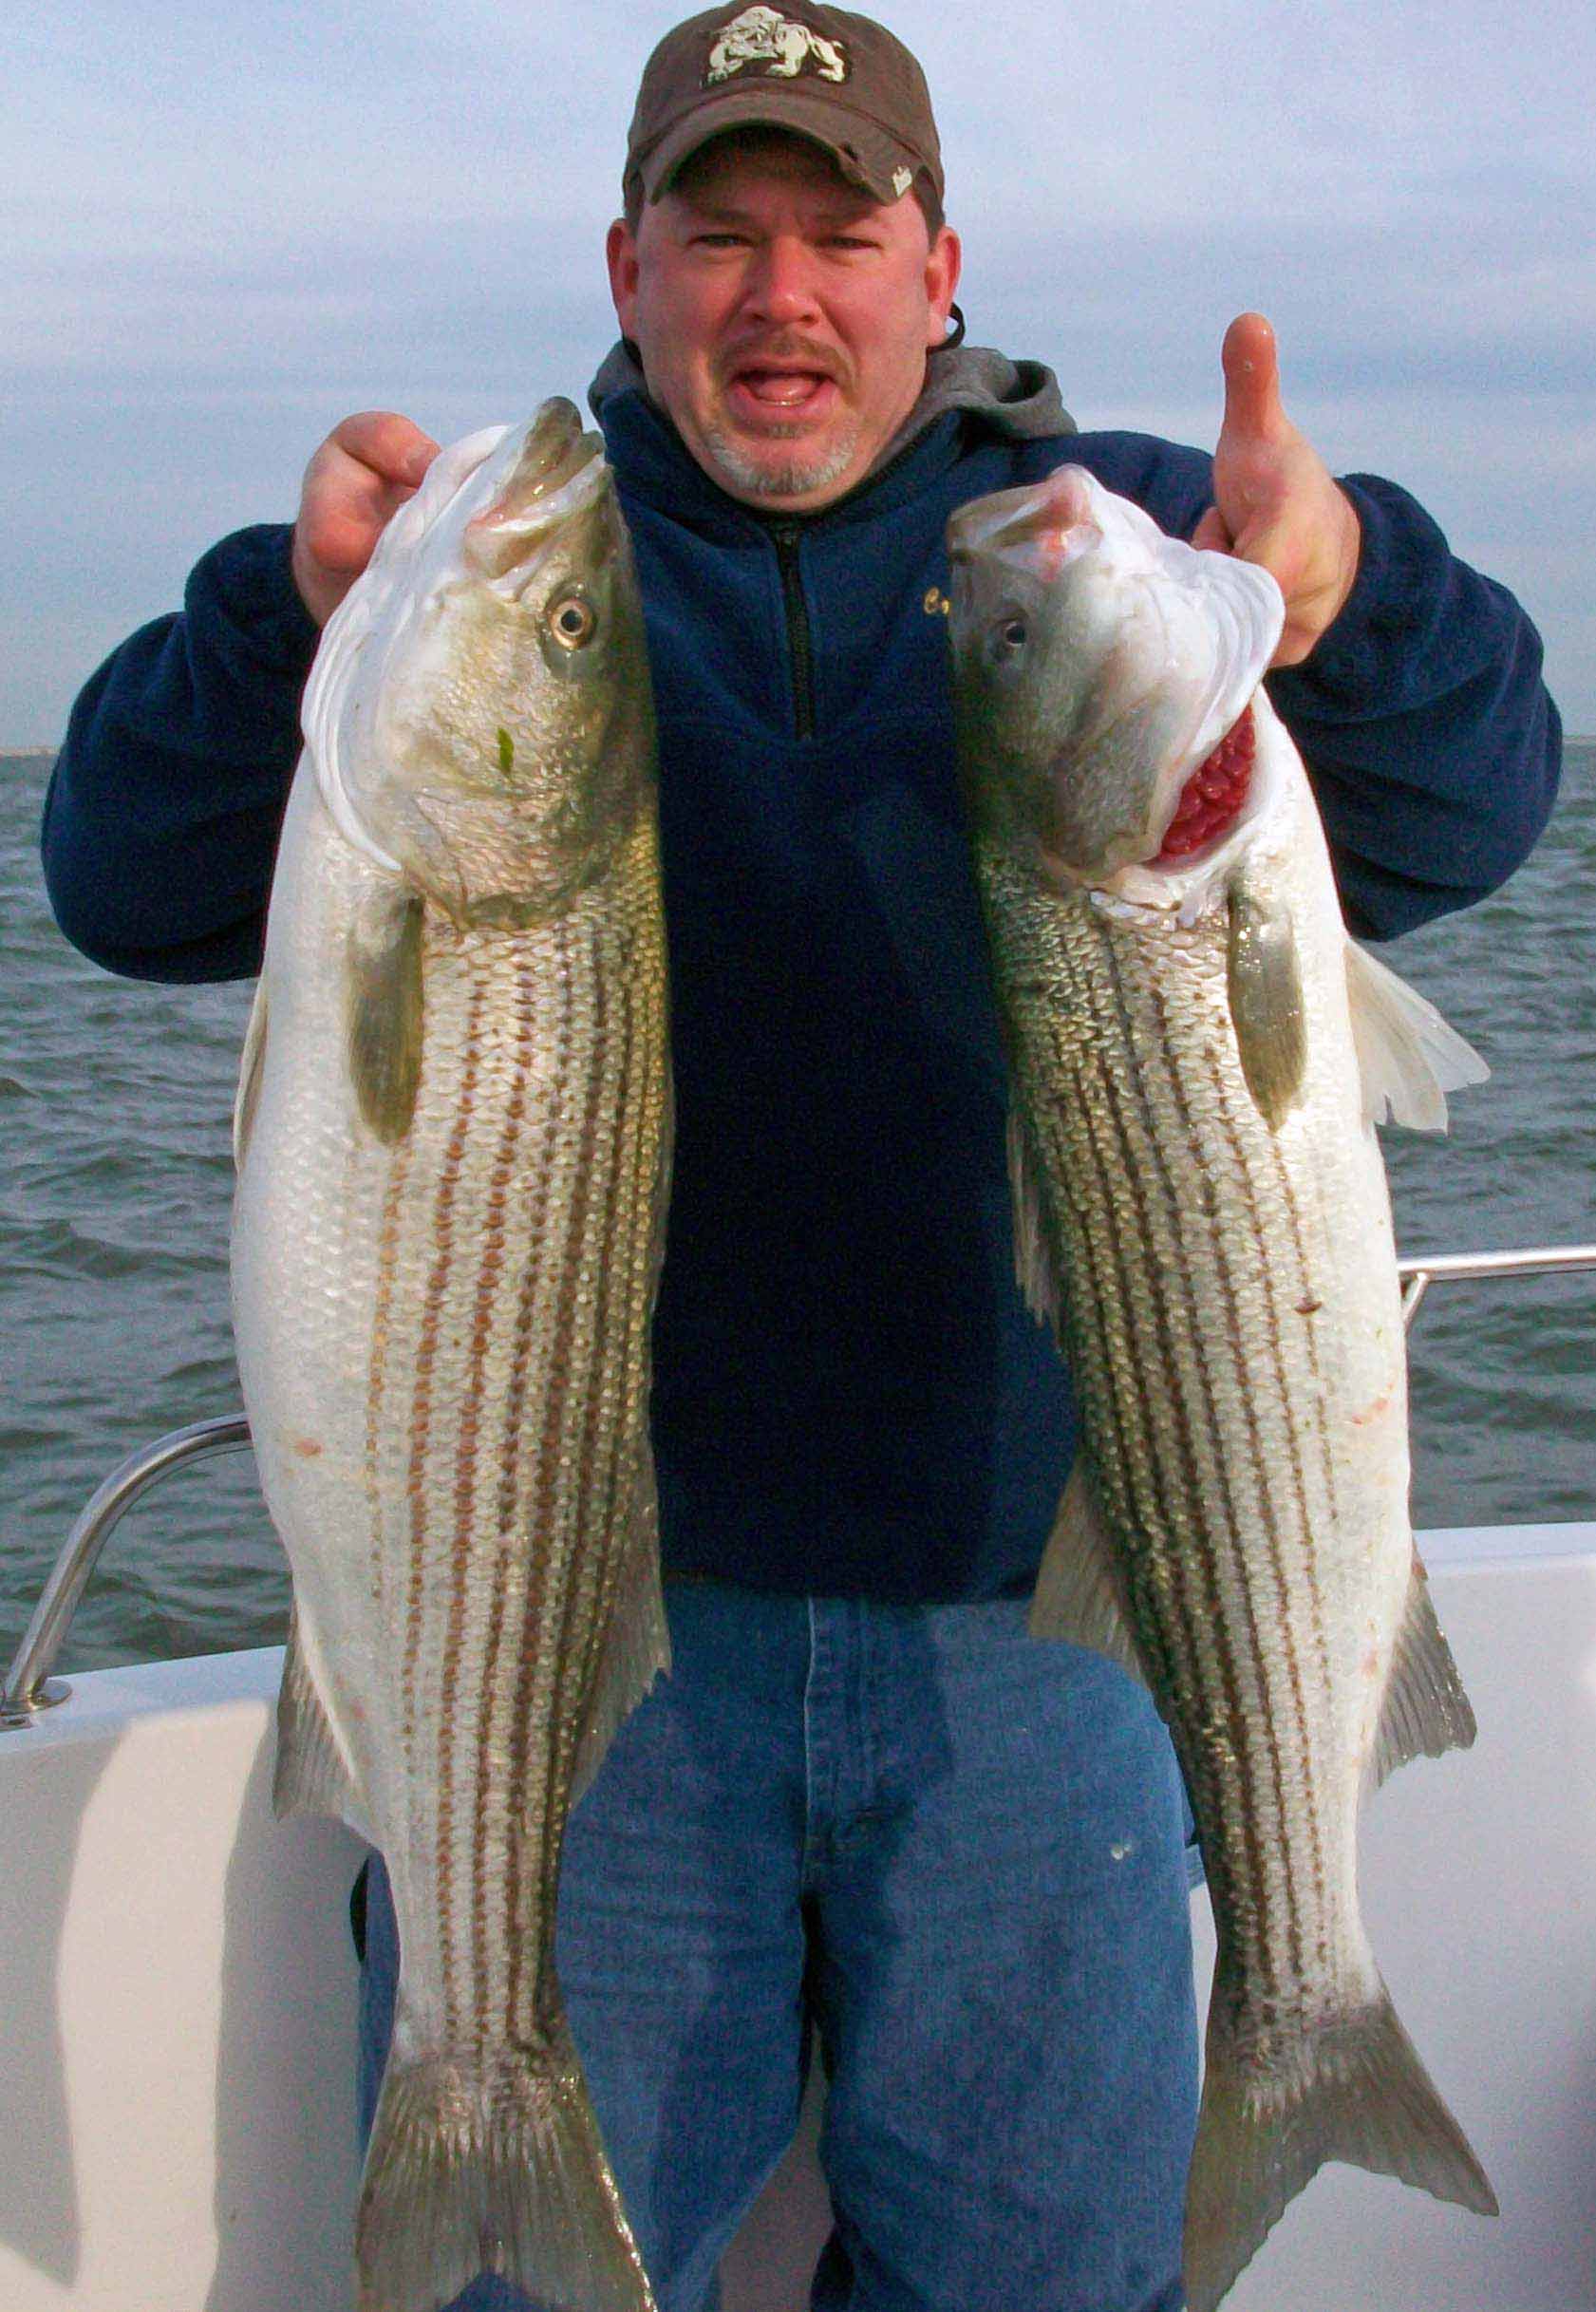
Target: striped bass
[1198, 1055]
[452, 1138]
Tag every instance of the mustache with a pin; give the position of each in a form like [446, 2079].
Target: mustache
[787, 348]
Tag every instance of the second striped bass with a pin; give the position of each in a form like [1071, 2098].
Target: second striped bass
[1198, 1054]
[452, 1141]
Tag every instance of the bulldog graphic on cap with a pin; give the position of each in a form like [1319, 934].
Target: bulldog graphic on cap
[760, 35]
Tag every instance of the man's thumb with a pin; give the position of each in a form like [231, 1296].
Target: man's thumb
[1212, 533]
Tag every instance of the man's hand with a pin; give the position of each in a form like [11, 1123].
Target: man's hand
[1274, 501]
[359, 478]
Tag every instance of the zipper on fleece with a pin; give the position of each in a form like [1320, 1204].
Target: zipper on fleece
[785, 536]
[800, 647]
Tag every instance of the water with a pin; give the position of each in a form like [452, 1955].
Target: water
[116, 1174]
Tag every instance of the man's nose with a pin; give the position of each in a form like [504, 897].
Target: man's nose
[783, 283]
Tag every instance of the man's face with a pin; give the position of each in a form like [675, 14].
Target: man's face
[783, 317]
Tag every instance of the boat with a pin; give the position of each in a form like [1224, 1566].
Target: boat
[177, 1982]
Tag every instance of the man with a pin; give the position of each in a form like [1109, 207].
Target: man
[863, 1799]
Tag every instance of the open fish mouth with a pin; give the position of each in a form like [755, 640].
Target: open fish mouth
[539, 480]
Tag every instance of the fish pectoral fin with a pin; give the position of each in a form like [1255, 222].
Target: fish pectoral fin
[312, 1776]
[1033, 1269]
[383, 991]
[1079, 1592]
[1408, 1058]
[1263, 986]
[636, 1640]
[251, 1067]
[1425, 1710]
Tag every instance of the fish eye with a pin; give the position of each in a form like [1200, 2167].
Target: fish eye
[1008, 638]
[572, 622]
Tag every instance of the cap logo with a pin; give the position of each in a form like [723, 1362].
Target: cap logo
[761, 36]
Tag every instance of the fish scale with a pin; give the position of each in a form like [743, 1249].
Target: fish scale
[1196, 1054]
[1196, 1419]
[473, 1633]
[453, 1135]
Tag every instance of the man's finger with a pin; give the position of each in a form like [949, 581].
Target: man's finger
[1213, 533]
[1253, 411]
[390, 445]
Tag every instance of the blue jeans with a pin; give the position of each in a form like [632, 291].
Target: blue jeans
[960, 1852]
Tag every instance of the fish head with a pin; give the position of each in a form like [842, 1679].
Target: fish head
[1097, 663]
[480, 713]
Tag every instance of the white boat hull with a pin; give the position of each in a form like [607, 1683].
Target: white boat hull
[178, 1989]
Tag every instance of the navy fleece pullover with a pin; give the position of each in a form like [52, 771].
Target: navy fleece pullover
[849, 1397]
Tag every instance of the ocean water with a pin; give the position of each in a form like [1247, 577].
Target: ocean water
[116, 1174]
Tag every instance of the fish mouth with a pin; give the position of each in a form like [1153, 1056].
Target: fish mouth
[537, 480]
[1041, 526]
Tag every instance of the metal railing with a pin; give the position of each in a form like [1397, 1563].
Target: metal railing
[30, 1688]
[1418, 1276]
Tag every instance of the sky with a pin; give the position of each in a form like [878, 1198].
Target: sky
[225, 227]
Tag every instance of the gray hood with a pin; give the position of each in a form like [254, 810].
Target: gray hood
[1016, 397]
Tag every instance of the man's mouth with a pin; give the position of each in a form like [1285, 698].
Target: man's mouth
[759, 392]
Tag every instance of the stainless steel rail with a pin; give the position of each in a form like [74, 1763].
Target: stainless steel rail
[1420, 1273]
[30, 1688]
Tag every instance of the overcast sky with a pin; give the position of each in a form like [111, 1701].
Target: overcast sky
[226, 226]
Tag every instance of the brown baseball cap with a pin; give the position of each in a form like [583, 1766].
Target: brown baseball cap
[841, 80]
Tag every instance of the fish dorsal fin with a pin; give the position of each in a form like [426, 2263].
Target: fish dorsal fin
[251, 1067]
[636, 1639]
[312, 1776]
[1034, 1267]
[1408, 1058]
[1079, 1592]
[1425, 1710]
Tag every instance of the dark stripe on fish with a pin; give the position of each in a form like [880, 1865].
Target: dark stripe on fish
[536, 1697]
[434, 1312]
[1190, 1536]
[512, 1574]
[1239, 1127]
[382, 1328]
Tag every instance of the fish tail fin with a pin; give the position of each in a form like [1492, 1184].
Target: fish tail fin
[1357, 2093]
[491, 2161]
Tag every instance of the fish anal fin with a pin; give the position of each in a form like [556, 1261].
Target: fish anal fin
[312, 1776]
[1355, 2090]
[1034, 1267]
[1408, 1058]
[383, 1011]
[636, 1640]
[1425, 1710]
[1078, 1590]
[252, 1068]
[1263, 986]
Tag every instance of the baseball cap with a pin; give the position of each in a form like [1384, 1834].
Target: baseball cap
[838, 79]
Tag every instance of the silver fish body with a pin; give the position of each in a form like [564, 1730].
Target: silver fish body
[453, 1142]
[1196, 1053]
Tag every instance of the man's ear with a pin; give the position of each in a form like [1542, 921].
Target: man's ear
[943, 266]
[620, 254]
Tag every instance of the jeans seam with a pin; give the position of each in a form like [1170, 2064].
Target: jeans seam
[811, 1843]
